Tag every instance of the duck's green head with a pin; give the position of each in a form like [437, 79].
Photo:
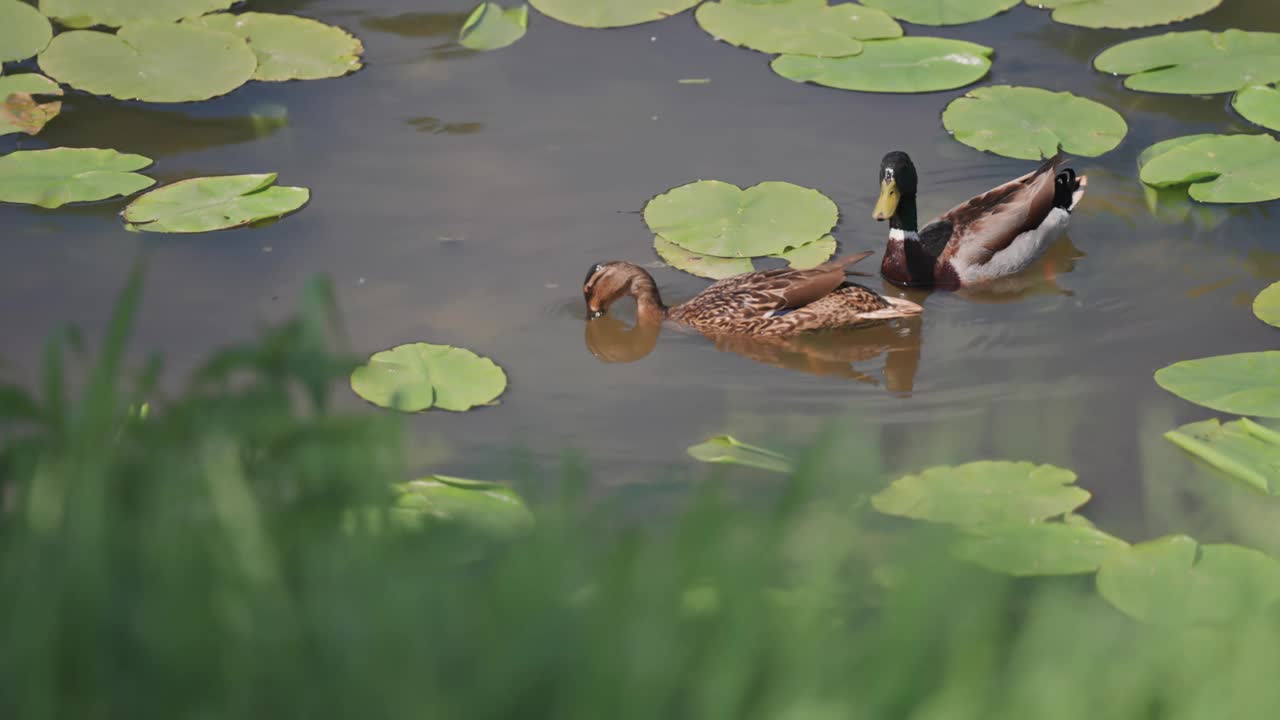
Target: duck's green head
[897, 179]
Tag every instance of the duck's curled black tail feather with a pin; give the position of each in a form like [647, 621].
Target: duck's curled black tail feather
[1065, 186]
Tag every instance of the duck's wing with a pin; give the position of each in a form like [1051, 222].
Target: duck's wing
[988, 223]
[771, 292]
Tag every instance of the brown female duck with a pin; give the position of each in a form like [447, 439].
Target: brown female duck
[769, 303]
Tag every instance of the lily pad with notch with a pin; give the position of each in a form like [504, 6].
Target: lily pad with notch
[904, 65]
[289, 47]
[610, 13]
[213, 203]
[23, 31]
[58, 176]
[116, 13]
[1124, 14]
[1242, 449]
[1197, 62]
[718, 268]
[804, 27]
[1218, 168]
[490, 26]
[20, 107]
[1034, 549]
[983, 493]
[1032, 123]
[942, 12]
[420, 376]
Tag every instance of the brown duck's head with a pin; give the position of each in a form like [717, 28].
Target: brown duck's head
[897, 179]
[605, 283]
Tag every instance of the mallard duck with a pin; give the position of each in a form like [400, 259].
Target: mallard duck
[769, 303]
[990, 236]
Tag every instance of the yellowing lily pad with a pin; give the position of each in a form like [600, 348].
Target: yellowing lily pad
[1032, 123]
[1243, 449]
[804, 27]
[1195, 63]
[419, 376]
[1260, 105]
[942, 12]
[728, 450]
[23, 31]
[19, 111]
[904, 65]
[1124, 14]
[716, 218]
[53, 178]
[114, 13]
[290, 47]
[610, 13]
[1267, 305]
[1031, 549]
[1242, 384]
[491, 509]
[983, 493]
[213, 203]
[490, 27]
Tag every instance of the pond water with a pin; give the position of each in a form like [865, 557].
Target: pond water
[460, 197]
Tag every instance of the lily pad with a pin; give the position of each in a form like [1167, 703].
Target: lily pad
[1267, 305]
[1243, 384]
[728, 450]
[23, 31]
[718, 268]
[1031, 123]
[155, 62]
[716, 218]
[491, 509]
[942, 12]
[490, 27]
[419, 376]
[1243, 449]
[213, 203]
[811, 255]
[1165, 146]
[1220, 168]
[1260, 105]
[1124, 14]
[1195, 63]
[19, 111]
[804, 27]
[904, 65]
[53, 178]
[290, 47]
[1026, 550]
[983, 493]
[1176, 581]
[115, 13]
[610, 13]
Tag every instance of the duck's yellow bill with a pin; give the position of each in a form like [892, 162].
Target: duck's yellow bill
[887, 205]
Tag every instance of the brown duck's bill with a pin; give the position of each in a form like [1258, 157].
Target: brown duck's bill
[887, 205]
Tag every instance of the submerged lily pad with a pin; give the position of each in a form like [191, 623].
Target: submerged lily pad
[1243, 384]
[804, 27]
[53, 178]
[419, 376]
[491, 509]
[610, 13]
[1025, 550]
[23, 31]
[490, 27]
[1243, 449]
[983, 493]
[717, 218]
[1124, 14]
[1176, 581]
[114, 13]
[289, 47]
[1032, 123]
[1267, 305]
[1195, 63]
[213, 203]
[1260, 105]
[19, 111]
[728, 450]
[151, 61]
[942, 12]
[1220, 168]
[904, 65]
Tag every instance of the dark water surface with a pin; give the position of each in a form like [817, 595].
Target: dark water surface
[460, 197]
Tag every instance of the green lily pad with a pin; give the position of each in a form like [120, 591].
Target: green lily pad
[1165, 146]
[1025, 550]
[290, 47]
[983, 493]
[1220, 168]
[23, 31]
[115, 13]
[1124, 14]
[718, 268]
[155, 62]
[53, 178]
[1176, 581]
[1260, 105]
[1195, 63]
[727, 450]
[490, 27]
[804, 27]
[1267, 305]
[19, 111]
[904, 65]
[942, 12]
[716, 218]
[1243, 449]
[419, 376]
[610, 13]
[1031, 123]
[1243, 384]
[810, 255]
[213, 203]
[491, 509]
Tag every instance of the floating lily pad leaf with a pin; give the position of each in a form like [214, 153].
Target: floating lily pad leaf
[1195, 63]
[983, 493]
[942, 12]
[491, 509]
[1260, 105]
[610, 13]
[23, 31]
[811, 255]
[1031, 123]
[289, 47]
[213, 203]
[1025, 550]
[727, 450]
[1267, 305]
[707, 266]
[491, 27]
[114, 13]
[905, 65]
[1175, 581]
[1165, 146]
[1243, 384]
[1220, 168]
[717, 218]
[155, 62]
[1243, 449]
[419, 376]
[19, 111]
[803, 27]
[1123, 14]
[53, 178]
